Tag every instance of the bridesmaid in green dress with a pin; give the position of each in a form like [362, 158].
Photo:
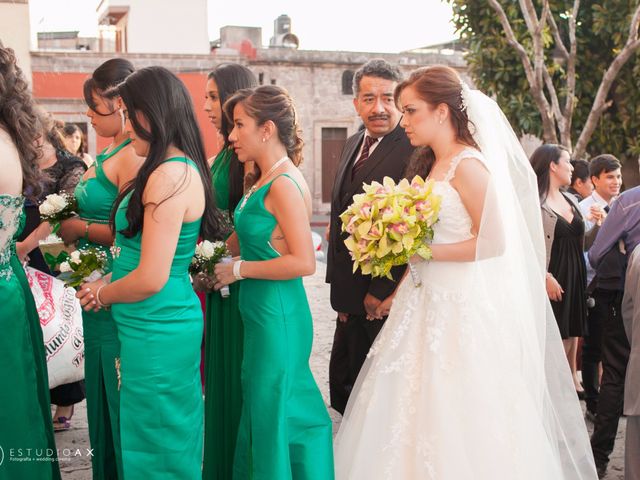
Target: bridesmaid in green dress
[223, 325]
[113, 168]
[157, 223]
[285, 430]
[26, 438]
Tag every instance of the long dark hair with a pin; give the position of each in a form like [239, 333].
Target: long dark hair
[541, 161]
[108, 75]
[273, 103]
[68, 130]
[165, 102]
[229, 78]
[435, 85]
[19, 118]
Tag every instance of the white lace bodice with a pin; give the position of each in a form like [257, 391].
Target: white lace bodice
[10, 214]
[454, 223]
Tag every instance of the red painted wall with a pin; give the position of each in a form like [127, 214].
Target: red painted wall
[52, 85]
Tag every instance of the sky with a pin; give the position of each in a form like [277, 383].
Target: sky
[350, 25]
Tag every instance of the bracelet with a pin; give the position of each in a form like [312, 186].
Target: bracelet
[100, 304]
[86, 230]
[236, 270]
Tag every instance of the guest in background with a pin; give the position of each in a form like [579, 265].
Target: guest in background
[631, 318]
[564, 237]
[223, 325]
[605, 173]
[61, 172]
[619, 234]
[581, 186]
[74, 142]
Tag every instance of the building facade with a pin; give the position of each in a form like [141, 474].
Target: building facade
[318, 81]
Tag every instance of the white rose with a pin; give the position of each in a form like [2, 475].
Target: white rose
[57, 201]
[65, 267]
[198, 250]
[46, 209]
[75, 256]
[208, 249]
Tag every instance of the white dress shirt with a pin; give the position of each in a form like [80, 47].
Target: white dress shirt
[585, 208]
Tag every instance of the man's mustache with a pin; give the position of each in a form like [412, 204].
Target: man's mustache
[378, 117]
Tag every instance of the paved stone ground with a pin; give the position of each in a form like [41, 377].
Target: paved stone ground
[72, 444]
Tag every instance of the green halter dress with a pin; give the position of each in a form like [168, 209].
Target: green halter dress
[285, 430]
[161, 409]
[95, 197]
[223, 357]
[27, 446]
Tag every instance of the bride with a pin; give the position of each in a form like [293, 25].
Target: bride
[467, 379]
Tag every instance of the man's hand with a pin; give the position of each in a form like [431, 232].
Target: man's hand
[343, 317]
[371, 304]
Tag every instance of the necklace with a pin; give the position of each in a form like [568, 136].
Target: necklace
[253, 189]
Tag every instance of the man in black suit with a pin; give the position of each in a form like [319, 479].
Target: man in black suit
[380, 149]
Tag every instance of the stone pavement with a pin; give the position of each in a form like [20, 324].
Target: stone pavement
[75, 464]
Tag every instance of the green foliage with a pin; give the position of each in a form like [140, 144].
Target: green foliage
[602, 30]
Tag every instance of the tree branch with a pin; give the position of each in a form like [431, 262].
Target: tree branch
[534, 85]
[558, 39]
[600, 103]
[570, 101]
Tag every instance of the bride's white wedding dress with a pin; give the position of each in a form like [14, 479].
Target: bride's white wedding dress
[442, 394]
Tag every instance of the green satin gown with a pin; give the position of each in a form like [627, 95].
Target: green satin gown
[285, 430]
[161, 410]
[223, 357]
[27, 445]
[96, 196]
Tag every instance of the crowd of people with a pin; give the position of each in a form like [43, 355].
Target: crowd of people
[484, 327]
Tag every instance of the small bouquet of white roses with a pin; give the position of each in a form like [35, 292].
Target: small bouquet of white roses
[84, 265]
[58, 207]
[206, 256]
[54, 251]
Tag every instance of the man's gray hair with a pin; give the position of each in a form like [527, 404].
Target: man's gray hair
[376, 67]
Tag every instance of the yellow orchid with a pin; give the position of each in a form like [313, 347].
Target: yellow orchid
[389, 223]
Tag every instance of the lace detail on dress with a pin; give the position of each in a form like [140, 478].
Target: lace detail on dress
[10, 222]
[455, 161]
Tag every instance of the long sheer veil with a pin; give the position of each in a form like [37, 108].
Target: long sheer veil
[511, 266]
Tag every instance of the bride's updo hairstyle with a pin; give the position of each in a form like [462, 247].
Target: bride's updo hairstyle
[270, 103]
[436, 85]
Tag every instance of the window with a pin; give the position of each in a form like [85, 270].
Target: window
[347, 82]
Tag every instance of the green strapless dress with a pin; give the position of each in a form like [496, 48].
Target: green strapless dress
[27, 446]
[96, 196]
[223, 357]
[161, 410]
[285, 430]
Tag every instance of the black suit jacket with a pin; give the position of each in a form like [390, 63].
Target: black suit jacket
[389, 159]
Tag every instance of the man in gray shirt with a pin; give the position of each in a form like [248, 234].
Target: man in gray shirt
[631, 318]
[619, 234]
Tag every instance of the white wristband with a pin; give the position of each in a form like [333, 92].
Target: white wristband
[236, 270]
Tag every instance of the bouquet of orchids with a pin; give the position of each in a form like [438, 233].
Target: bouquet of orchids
[84, 265]
[389, 223]
[206, 256]
[58, 207]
